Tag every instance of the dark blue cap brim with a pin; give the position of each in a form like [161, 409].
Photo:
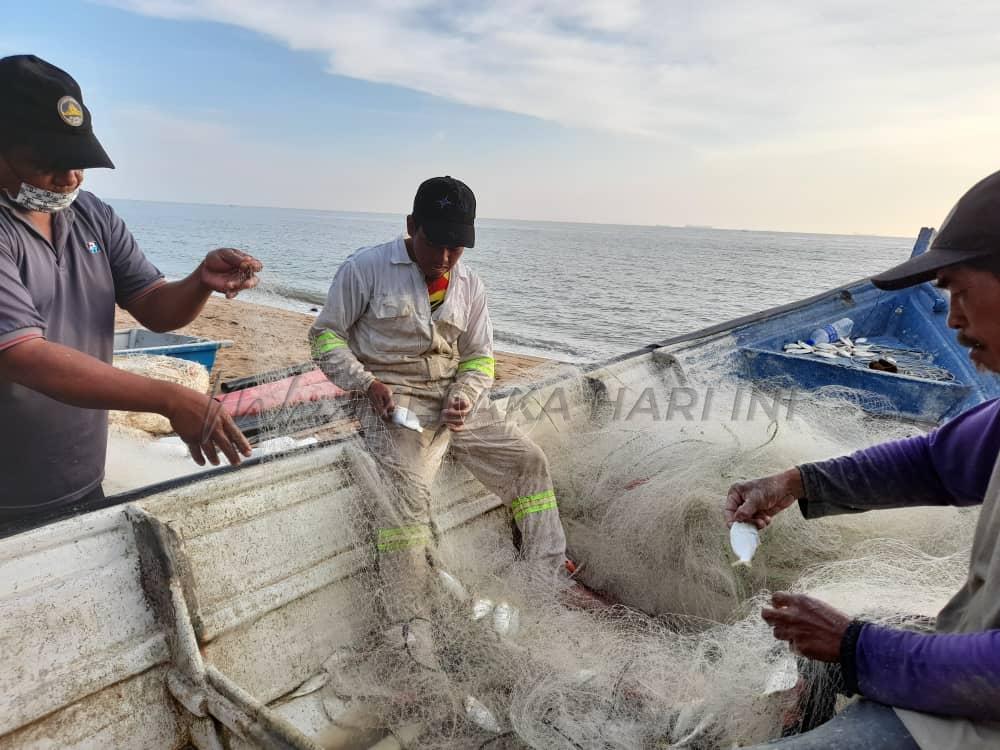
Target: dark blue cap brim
[925, 267]
[64, 150]
[449, 235]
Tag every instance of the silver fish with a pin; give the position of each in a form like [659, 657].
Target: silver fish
[406, 418]
[453, 586]
[481, 608]
[784, 676]
[744, 538]
[481, 716]
[506, 619]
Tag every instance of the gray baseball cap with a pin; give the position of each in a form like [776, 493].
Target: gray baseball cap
[970, 234]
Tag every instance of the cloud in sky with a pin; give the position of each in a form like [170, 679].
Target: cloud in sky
[709, 73]
[755, 95]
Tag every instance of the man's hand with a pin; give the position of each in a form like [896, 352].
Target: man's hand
[455, 413]
[381, 398]
[206, 427]
[759, 500]
[229, 271]
[812, 628]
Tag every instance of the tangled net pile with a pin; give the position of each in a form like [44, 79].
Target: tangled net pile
[143, 425]
[685, 660]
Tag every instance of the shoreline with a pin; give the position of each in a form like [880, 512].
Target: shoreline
[267, 337]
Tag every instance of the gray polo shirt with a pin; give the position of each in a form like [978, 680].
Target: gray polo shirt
[50, 453]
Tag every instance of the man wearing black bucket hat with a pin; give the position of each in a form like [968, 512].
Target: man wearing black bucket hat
[919, 690]
[406, 324]
[66, 258]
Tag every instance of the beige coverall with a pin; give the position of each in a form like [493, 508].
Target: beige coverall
[377, 323]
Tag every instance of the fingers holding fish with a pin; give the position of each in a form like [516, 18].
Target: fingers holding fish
[759, 500]
[746, 503]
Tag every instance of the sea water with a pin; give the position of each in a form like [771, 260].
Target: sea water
[574, 292]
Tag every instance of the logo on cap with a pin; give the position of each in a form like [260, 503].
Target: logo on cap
[70, 111]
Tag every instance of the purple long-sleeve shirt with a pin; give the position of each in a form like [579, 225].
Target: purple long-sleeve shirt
[948, 674]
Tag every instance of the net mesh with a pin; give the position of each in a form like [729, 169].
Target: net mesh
[508, 659]
[182, 372]
[684, 660]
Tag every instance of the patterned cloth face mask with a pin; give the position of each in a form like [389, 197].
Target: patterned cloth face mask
[46, 201]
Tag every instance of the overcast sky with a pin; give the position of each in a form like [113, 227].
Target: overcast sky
[815, 116]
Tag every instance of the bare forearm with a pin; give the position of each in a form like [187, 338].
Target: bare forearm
[173, 305]
[75, 378]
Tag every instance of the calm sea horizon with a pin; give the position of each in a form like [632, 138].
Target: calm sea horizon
[569, 291]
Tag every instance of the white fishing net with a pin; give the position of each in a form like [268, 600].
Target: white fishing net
[506, 660]
[171, 369]
[503, 658]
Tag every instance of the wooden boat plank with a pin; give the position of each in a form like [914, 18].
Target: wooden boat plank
[137, 712]
[62, 552]
[68, 627]
[270, 547]
[34, 695]
[306, 559]
[271, 654]
[217, 501]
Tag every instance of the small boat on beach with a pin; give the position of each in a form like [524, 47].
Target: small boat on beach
[134, 341]
[209, 611]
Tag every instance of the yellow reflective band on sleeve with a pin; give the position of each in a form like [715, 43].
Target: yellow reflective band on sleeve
[536, 503]
[485, 365]
[402, 537]
[326, 342]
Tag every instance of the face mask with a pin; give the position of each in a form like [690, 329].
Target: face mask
[36, 199]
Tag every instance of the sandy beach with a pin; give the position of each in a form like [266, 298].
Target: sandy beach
[268, 338]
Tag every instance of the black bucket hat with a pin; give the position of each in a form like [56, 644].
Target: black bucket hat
[970, 234]
[42, 107]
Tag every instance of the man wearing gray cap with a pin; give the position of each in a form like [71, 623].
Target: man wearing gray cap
[918, 690]
[66, 259]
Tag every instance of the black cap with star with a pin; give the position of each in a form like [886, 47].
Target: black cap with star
[43, 109]
[445, 209]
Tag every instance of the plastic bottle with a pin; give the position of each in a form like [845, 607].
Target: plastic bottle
[839, 329]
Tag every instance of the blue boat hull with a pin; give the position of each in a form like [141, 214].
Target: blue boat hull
[913, 319]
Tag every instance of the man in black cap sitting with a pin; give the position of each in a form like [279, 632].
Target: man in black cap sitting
[66, 258]
[919, 690]
[406, 323]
